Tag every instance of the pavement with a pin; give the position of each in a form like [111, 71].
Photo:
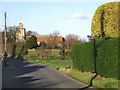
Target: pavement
[24, 74]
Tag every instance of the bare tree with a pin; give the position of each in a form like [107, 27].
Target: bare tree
[35, 33]
[11, 39]
[72, 38]
[52, 39]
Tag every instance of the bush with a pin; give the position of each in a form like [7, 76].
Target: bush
[106, 60]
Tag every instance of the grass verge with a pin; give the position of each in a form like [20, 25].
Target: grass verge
[97, 82]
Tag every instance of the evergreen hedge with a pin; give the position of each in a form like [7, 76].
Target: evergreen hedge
[83, 56]
[106, 60]
[109, 22]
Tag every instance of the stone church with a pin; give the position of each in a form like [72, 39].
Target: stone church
[20, 33]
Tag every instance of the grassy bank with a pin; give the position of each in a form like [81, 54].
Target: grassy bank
[85, 77]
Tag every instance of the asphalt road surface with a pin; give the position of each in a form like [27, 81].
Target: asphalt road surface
[20, 74]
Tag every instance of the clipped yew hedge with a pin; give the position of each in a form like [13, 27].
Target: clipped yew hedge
[110, 21]
[106, 60]
[83, 56]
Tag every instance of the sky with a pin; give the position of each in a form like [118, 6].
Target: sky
[47, 17]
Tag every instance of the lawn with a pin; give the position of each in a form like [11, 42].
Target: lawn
[85, 77]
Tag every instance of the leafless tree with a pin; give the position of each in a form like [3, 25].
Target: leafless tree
[72, 38]
[52, 39]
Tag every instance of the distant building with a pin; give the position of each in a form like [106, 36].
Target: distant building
[47, 39]
[42, 38]
[20, 33]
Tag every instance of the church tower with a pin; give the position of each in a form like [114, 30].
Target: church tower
[20, 33]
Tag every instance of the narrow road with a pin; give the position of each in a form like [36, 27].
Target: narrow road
[20, 74]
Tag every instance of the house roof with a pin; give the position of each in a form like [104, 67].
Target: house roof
[44, 38]
[41, 38]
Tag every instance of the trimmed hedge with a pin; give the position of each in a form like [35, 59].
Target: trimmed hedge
[83, 56]
[110, 20]
[106, 60]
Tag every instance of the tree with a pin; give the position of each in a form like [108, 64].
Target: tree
[29, 33]
[71, 39]
[11, 39]
[52, 40]
[35, 33]
[11, 35]
[32, 42]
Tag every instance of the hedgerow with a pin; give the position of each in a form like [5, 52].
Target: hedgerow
[106, 60]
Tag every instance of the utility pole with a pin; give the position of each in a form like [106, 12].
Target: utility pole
[5, 53]
[5, 34]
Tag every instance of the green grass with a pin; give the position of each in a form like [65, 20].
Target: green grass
[101, 83]
[57, 63]
[74, 73]
[106, 83]
[80, 76]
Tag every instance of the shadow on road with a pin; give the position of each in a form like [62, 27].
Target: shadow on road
[16, 75]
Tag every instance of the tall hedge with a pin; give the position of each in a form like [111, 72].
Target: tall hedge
[83, 56]
[109, 22]
[106, 60]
